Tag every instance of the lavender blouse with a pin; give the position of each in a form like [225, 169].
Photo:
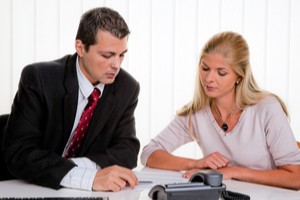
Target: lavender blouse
[262, 139]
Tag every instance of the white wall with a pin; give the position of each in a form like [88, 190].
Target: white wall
[165, 41]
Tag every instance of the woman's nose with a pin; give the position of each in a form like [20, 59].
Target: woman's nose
[209, 77]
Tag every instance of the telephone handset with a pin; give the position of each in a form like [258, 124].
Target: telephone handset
[206, 184]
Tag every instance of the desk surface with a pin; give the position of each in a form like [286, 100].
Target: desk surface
[18, 188]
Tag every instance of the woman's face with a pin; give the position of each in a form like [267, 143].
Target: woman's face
[217, 77]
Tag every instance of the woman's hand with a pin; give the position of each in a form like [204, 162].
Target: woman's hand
[212, 161]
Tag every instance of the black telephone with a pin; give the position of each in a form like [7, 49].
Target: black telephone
[204, 185]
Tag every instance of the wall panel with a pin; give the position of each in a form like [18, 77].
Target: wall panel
[232, 15]
[69, 16]
[164, 45]
[255, 32]
[5, 51]
[89, 4]
[185, 58]
[294, 68]
[185, 55]
[209, 20]
[23, 38]
[139, 61]
[162, 64]
[47, 30]
[278, 39]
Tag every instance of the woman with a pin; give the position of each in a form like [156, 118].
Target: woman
[242, 130]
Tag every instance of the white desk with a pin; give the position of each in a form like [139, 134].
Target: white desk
[17, 188]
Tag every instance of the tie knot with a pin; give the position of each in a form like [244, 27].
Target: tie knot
[95, 95]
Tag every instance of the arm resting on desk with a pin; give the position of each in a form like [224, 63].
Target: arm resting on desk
[164, 160]
[284, 176]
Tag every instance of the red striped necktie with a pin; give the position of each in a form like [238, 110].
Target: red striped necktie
[83, 124]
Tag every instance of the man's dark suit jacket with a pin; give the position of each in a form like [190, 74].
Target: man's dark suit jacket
[43, 114]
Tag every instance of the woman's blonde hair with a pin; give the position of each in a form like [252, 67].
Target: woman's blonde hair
[236, 51]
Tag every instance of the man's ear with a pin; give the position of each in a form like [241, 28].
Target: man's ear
[79, 47]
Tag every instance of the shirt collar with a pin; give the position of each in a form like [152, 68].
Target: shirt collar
[85, 86]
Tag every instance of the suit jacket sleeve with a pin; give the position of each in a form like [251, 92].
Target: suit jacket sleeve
[32, 145]
[43, 114]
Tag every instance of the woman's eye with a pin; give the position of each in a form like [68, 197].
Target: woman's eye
[205, 68]
[221, 73]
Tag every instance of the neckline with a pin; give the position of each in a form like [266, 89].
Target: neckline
[224, 122]
[216, 125]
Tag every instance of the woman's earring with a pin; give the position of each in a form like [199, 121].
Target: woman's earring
[237, 82]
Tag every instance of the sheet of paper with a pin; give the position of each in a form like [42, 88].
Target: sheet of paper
[157, 176]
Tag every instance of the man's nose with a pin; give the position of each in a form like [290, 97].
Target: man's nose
[116, 63]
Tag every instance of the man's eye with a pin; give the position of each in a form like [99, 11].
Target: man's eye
[106, 56]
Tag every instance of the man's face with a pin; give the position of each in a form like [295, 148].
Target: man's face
[102, 62]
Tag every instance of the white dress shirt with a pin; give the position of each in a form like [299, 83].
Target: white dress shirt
[81, 176]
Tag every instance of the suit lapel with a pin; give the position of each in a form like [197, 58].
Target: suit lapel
[105, 107]
[71, 98]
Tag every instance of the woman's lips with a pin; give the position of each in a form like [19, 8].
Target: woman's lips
[210, 88]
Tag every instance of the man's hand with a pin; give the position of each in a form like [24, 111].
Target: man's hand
[114, 178]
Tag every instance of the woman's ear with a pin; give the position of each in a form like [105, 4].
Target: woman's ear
[238, 80]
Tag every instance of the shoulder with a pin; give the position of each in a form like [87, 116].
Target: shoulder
[50, 73]
[124, 87]
[127, 82]
[49, 66]
[268, 107]
[196, 117]
[126, 78]
[268, 103]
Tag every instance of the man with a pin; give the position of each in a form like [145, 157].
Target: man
[49, 111]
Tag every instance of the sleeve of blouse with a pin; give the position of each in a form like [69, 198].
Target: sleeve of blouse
[170, 138]
[280, 139]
